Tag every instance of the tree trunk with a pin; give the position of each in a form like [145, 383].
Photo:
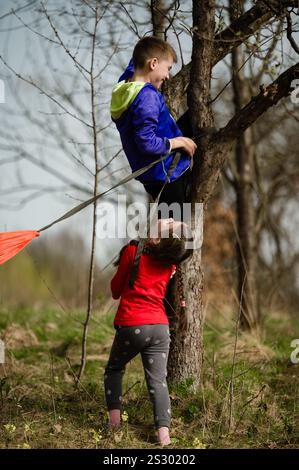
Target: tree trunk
[186, 347]
[158, 17]
[246, 244]
[186, 352]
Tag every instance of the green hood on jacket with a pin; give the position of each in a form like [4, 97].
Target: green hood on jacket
[123, 95]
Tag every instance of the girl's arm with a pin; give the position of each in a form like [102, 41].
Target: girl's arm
[119, 280]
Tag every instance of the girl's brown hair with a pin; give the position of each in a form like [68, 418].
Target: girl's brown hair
[150, 47]
[170, 250]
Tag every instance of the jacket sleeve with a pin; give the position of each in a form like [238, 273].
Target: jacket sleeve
[145, 123]
[119, 280]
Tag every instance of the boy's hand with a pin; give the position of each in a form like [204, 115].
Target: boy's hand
[185, 144]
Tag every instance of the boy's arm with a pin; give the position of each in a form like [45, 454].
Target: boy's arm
[119, 280]
[145, 123]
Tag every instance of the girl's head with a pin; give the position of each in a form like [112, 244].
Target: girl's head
[169, 245]
[169, 242]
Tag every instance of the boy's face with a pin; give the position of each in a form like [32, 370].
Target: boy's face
[159, 71]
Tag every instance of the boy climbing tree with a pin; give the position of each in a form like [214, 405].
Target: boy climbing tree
[146, 127]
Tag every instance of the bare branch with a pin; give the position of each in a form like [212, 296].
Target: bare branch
[19, 9]
[289, 33]
[77, 64]
[235, 34]
[135, 29]
[269, 96]
[43, 92]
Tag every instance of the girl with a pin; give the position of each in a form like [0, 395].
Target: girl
[141, 323]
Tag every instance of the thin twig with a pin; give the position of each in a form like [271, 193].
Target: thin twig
[53, 387]
[94, 221]
[43, 92]
[232, 378]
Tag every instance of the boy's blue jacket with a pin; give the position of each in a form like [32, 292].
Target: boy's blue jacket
[145, 125]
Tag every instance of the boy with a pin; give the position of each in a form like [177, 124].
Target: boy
[147, 129]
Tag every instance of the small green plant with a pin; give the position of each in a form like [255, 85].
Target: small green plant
[10, 429]
[27, 432]
[185, 387]
[25, 445]
[197, 444]
[125, 419]
[193, 410]
[96, 435]
[9, 432]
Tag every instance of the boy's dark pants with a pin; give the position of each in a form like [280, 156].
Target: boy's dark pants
[176, 191]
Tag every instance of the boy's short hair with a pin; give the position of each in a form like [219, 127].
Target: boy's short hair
[149, 47]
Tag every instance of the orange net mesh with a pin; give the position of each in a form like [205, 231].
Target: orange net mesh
[13, 242]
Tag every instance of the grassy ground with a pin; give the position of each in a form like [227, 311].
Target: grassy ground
[42, 409]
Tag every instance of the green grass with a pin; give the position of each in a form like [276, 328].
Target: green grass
[42, 409]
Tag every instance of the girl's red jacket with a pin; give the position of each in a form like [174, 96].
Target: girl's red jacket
[141, 304]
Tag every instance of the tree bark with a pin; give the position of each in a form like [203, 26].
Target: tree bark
[158, 18]
[186, 352]
[246, 244]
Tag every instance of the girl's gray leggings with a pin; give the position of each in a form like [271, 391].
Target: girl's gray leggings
[152, 342]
